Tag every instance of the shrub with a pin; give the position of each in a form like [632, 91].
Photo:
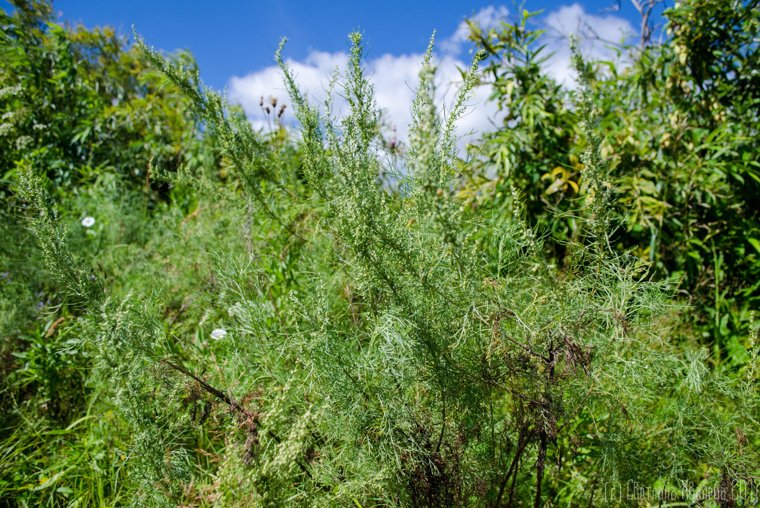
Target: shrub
[332, 324]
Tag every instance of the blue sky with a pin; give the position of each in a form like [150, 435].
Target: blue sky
[236, 37]
[234, 41]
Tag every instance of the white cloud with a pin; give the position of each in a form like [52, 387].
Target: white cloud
[313, 76]
[487, 18]
[597, 36]
[395, 77]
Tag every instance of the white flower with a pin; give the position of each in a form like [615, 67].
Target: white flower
[88, 221]
[218, 333]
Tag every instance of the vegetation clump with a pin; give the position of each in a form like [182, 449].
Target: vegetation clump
[220, 316]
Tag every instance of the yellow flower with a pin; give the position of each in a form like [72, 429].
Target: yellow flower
[561, 180]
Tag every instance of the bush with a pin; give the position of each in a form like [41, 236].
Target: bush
[676, 128]
[327, 321]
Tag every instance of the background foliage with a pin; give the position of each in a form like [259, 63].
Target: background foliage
[677, 129]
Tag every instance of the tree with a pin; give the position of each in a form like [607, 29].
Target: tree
[677, 131]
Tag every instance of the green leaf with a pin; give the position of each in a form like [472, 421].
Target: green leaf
[755, 243]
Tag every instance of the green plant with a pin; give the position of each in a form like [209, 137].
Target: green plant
[429, 353]
[676, 129]
[311, 320]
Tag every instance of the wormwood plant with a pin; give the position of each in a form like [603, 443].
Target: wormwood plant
[126, 341]
[429, 354]
[389, 346]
